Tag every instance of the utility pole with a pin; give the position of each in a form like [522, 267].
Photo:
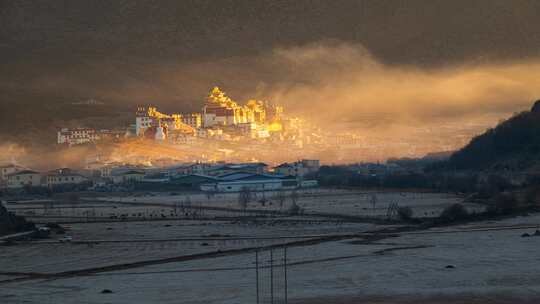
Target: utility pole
[285, 271]
[257, 273]
[271, 276]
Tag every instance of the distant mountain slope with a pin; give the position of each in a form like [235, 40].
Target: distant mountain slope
[514, 144]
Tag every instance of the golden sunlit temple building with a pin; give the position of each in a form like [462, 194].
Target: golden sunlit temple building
[219, 109]
[256, 118]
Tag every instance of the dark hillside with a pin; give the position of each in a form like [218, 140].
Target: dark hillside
[513, 145]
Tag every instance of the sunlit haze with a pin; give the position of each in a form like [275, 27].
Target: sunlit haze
[360, 98]
[269, 151]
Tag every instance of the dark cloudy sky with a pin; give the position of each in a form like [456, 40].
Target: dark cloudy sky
[417, 32]
[425, 58]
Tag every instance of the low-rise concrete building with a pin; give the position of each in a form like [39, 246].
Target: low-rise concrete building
[309, 183]
[254, 168]
[193, 181]
[299, 168]
[64, 176]
[127, 177]
[9, 169]
[25, 178]
[236, 182]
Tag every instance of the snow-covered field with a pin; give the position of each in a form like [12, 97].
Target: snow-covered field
[123, 242]
[313, 202]
[334, 201]
[486, 265]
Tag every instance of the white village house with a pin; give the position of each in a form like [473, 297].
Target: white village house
[25, 178]
[9, 169]
[64, 176]
[299, 168]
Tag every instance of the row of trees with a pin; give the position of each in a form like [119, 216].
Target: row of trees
[342, 176]
[247, 195]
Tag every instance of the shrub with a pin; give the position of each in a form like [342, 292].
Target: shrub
[294, 209]
[505, 203]
[455, 212]
[532, 196]
[405, 213]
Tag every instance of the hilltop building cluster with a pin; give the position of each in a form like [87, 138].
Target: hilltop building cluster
[221, 118]
[226, 130]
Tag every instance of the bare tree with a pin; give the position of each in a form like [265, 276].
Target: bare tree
[186, 206]
[175, 209]
[187, 202]
[263, 199]
[392, 211]
[294, 208]
[294, 197]
[373, 201]
[281, 197]
[73, 199]
[48, 207]
[244, 197]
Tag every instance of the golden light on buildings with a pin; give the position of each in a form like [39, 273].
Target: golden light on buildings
[275, 127]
